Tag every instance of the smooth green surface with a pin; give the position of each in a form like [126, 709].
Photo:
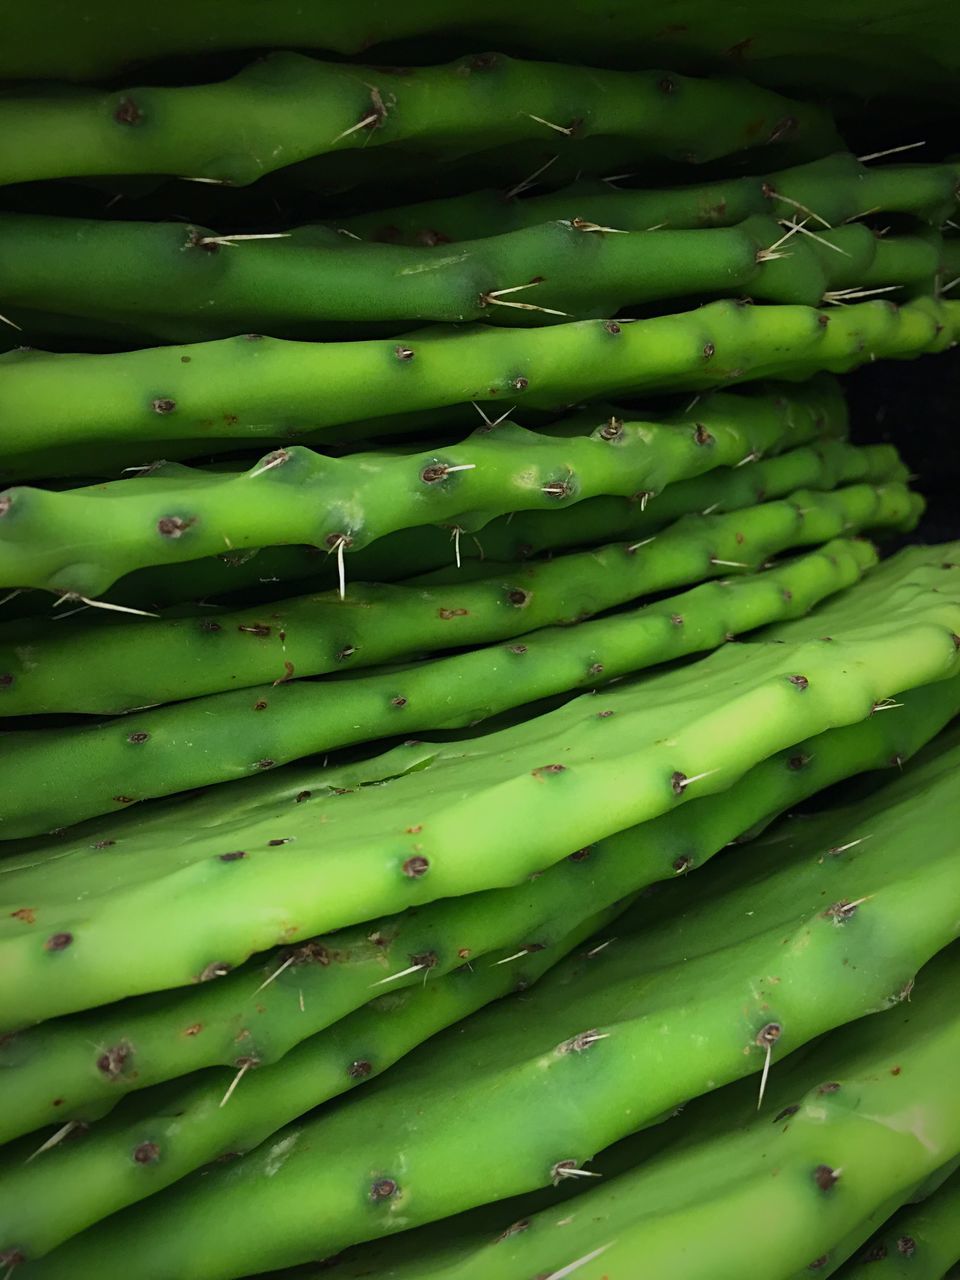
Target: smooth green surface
[786, 932]
[74, 1068]
[144, 901]
[83, 539]
[245, 387]
[199, 289]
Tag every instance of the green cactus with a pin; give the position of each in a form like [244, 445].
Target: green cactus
[819, 922]
[214, 1113]
[201, 285]
[448, 818]
[73, 1069]
[506, 539]
[170, 513]
[920, 1242]
[249, 387]
[65, 775]
[706, 1193]
[831, 190]
[852, 48]
[286, 107]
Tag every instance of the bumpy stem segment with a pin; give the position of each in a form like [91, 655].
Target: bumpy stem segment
[83, 539]
[161, 898]
[696, 991]
[259, 1014]
[827, 191]
[720, 1175]
[165, 1133]
[56, 777]
[83, 664]
[201, 285]
[286, 108]
[867, 51]
[244, 387]
[921, 1241]
[517, 536]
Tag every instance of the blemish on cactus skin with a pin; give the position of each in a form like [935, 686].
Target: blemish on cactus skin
[146, 1153]
[383, 1189]
[58, 941]
[825, 1177]
[416, 867]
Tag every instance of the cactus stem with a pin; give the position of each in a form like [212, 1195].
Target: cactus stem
[890, 151]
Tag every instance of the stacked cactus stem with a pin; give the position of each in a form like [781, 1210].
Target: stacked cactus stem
[481, 699]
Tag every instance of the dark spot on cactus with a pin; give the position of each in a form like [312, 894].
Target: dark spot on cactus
[58, 941]
[823, 320]
[128, 112]
[124, 799]
[360, 1069]
[786, 1113]
[185, 359]
[146, 1153]
[604, 715]
[581, 855]
[709, 351]
[518, 597]
[447, 614]
[581, 1041]
[112, 1061]
[520, 383]
[483, 62]
[209, 625]
[301, 796]
[596, 669]
[842, 911]
[27, 914]
[517, 648]
[430, 238]
[416, 867]
[137, 738]
[218, 969]
[611, 430]
[801, 682]
[275, 844]
[787, 595]
[253, 337]
[404, 353]
[682, 864]
[233, 856]
[436, 471]
[549, 768]
[57, 1102]
[769, 1035]
[562, 1169]
[907, 1246]
[819, 1263]
[956, 640]
[514, 1229]
[559, 488]
[829, 1086]
[265, 764]
[666, 84]
[103, 844]
[895, 1071]
[426, 959]
[174, 526]
[260, 705]
[783, 128]
[336, 540]
[383, 1189]
[825, 1177]
[6, 680]
[12, 1258]
[798, 762]
[876, 1253]
[678, 781]
[231, 420]
[677, 619]
[163, 404]
[346, 652]
[612, 327]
